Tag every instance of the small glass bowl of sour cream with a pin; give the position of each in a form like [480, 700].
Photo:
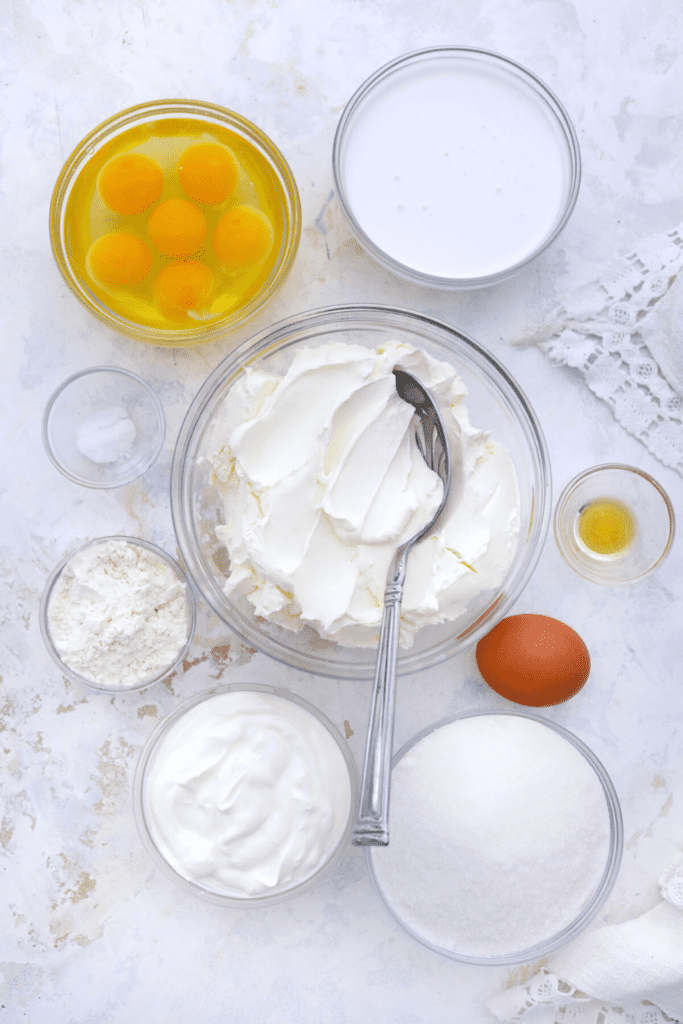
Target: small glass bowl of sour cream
[245, 795]
[103, 427]
[455, 167]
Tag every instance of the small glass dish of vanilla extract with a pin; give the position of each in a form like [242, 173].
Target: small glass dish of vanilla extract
[614, 524]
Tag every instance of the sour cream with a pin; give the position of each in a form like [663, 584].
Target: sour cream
[247, 794]
[457, 167]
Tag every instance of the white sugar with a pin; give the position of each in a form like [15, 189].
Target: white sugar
[499, 835]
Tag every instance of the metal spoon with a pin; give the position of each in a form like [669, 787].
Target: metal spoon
[372, 824]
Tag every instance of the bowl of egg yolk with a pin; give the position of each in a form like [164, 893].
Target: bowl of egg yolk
[175, 221]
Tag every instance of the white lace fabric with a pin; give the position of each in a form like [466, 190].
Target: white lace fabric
[624, 332]
[546, 999]
[614, 330]
[671, 883]
[617, 960]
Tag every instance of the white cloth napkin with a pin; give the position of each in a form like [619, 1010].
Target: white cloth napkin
[624, 331]
[630, 973]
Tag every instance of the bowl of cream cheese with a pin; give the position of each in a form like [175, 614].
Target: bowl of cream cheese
[245, 795]
[297, 474]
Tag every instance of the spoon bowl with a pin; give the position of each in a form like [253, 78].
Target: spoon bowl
[372, 825]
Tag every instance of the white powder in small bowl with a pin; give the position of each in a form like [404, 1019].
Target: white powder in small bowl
[500, 836]
[106, 435]
[119, 614]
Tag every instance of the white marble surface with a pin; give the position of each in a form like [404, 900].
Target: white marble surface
[90, 932]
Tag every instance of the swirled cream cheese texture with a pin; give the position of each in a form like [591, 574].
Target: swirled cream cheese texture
[321, 479]
[247, 794]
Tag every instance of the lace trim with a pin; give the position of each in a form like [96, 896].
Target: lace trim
[546, 999]
[671, 883]
[598, 331]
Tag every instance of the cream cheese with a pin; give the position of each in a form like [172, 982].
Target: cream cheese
[247, 794]
[321, 479]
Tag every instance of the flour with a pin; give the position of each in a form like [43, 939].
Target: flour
[499, 836]
[118, 615]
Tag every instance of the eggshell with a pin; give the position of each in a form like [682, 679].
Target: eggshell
[533, 660]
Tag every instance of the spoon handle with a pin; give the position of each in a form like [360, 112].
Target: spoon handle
[372, 824]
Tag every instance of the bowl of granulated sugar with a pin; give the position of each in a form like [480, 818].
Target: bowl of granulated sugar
[117, 614]
[505, 838]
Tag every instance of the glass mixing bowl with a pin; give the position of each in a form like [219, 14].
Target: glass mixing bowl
[421, 914]
[123, 640]
[496, 403]
[116, 396]
[158, 121]
[182, 722]
[455, 167]
[615, 491]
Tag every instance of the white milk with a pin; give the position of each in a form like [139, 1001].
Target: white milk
[457, 172]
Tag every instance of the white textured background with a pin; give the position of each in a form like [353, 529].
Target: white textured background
[89, 931]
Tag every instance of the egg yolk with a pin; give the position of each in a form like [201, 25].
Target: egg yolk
[119, 260]
[208, 173]
[183, 286]
[243, 237]
[177, 228]
[131, 183]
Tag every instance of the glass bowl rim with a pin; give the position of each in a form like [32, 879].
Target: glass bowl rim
[579, 568]
[158, 409]
[150, 746]
[164, 109]
[601, 893]
[552, 102]
[52, 581]
[269, 340]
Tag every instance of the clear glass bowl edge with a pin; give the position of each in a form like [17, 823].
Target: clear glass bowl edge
[416, 276]
[604, 888]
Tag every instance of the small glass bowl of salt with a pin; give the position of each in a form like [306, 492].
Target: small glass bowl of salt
[103, 427]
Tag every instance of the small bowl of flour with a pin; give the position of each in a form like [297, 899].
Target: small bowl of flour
[103, 427]
[117, 614]
[506, 838]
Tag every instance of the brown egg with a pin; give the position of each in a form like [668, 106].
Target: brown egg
[533, 660]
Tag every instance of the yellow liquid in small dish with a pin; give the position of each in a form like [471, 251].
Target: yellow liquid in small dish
[175, 223]
[606, 527]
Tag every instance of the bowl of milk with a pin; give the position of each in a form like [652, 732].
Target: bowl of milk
[455, 167]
